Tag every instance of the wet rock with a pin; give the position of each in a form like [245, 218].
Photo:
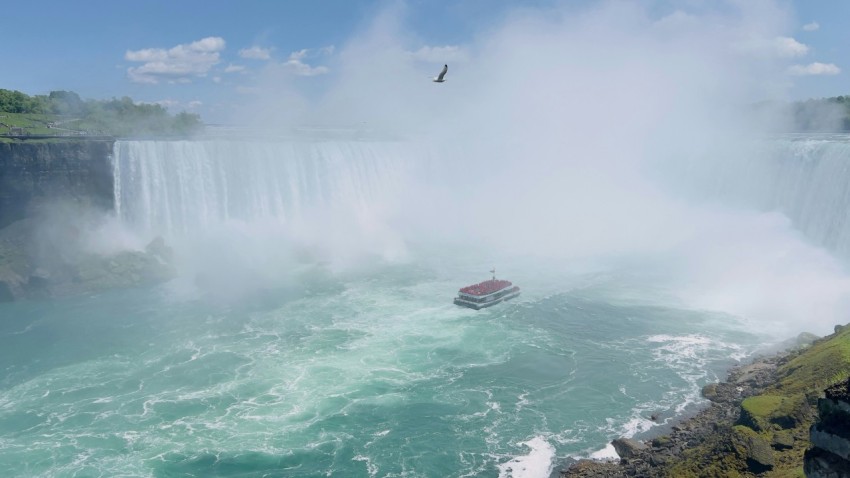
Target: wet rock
[709, 392]
[627, 448]
[593, 469]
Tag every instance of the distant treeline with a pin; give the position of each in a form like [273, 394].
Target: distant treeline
[117, 117]
[812, 115]
[825, 114]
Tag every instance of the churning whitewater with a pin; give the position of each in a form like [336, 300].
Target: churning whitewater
[311, 331]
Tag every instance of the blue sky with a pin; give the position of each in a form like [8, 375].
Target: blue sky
[204, 56]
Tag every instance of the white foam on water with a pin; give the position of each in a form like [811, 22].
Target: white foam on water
[606, 454]
[536, 464]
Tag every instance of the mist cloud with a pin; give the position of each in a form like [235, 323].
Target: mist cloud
[561, 132]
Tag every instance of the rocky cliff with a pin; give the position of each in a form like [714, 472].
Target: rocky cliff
[33, 173]
[54, 200]
[759, 423]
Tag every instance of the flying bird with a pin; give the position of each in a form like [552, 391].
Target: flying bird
[440, 78]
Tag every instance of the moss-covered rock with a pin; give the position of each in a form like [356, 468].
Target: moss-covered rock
[754, 449]
[767, 412]
[782, 440]
[661, 442]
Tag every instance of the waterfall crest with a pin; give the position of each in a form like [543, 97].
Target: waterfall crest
[175, 187]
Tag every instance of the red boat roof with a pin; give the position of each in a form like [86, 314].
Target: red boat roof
[486, 287]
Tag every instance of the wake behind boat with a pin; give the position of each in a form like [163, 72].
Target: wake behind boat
[487, 293]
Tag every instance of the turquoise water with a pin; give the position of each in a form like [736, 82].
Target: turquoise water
[311, 331]
[367, 373]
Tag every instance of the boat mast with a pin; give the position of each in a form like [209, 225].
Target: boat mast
[494, 273]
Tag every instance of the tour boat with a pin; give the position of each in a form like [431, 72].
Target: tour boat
[487, 293]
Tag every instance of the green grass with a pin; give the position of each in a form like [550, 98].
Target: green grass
[762, 405]
[821, 365]
[37, 123]
[770, 412]
[785, 405]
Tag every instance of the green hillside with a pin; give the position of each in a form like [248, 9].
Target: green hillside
[64, 113]
[777, 421]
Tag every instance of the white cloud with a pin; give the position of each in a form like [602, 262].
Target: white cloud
[777, 47]
[299, 67]
[194, 104]
[256, 53]
[440, 54]
[177, 64]
[810, 27]
[216, 79]
[788, 47]
[814, 69]
[231, 68]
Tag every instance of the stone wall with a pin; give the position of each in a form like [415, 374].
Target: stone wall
[33, 173]
[829, 455]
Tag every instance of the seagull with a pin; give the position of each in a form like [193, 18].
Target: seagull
[439, 78]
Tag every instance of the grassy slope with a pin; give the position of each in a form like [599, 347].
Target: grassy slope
[32, 123]
[787, 408]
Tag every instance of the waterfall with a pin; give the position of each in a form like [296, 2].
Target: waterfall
[805, 177]
[175, 187]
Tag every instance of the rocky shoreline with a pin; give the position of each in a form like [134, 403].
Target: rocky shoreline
[719, 435]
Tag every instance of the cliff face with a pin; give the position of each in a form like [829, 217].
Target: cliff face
[32, 173]
[829, 455]
[53, 196]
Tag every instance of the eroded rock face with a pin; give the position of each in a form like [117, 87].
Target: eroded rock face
[48, 190]
[76, 171]
[829, 455]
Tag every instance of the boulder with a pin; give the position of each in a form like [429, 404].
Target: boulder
[628, 448]
[709, 392]
[753, 448]
[782, 440]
